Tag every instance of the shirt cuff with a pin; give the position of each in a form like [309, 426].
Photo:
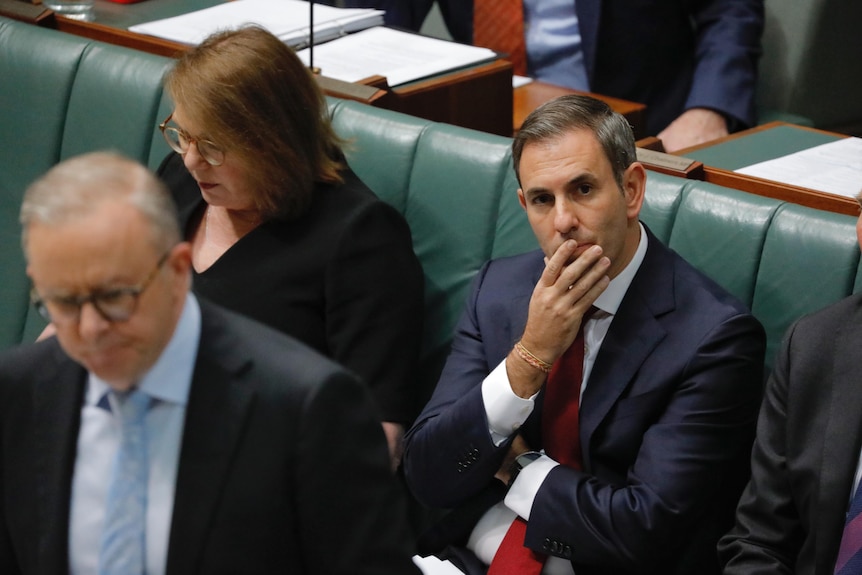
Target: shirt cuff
[523, 491]
[506, 411]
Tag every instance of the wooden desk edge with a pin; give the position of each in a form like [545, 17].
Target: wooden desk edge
[120, 37]
[784, 192]
[448, 79]
[772, 189]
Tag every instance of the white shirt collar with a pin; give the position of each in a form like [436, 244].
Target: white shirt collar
[610, 299]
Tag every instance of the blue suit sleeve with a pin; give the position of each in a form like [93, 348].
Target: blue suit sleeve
[728, 34]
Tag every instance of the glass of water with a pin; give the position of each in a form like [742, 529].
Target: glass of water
[74, 9]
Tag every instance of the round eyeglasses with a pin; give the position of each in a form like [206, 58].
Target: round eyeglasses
[179, 141]
[114, 305]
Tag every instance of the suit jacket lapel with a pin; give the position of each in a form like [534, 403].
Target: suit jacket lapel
[217, 409]
[57, 399]
[840, 455]
[633, 335]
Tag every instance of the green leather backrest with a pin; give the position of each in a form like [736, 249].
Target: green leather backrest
[661, 202]
[721, 232]
[37, 69]
[382, 151]
[60, 96]
[810, 259]
[119, 114]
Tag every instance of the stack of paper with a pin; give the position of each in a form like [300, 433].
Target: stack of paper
[287, 19]
[399, 56]
[835, 168]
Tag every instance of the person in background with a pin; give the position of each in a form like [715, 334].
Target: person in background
[597, 410]
[281, 229]
[800, 512]
[159, 433]
[694, 64]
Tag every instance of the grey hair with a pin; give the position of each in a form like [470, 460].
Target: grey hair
[554, 119]
[75, 187]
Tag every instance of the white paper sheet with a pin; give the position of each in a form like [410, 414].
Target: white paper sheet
[287, 19]
[835, 168]
[399, 56]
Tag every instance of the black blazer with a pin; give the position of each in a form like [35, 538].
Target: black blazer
[283, 464]
[342, 278]
[809, 435]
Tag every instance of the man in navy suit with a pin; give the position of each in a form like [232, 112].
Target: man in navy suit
[694, 64]
[671, 382]
[259, 454]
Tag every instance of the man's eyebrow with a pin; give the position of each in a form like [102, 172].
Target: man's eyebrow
[573, 182]
[536, 191]
[582, 178]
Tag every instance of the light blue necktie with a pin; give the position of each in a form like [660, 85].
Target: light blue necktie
[124, 535]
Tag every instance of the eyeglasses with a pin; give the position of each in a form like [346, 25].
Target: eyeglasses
[179, 141]
[115, 305]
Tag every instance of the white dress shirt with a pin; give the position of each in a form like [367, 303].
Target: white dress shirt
[506, 413]
[553, 41]
[168, 383]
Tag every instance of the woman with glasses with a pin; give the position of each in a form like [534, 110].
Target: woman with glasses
[281, 229]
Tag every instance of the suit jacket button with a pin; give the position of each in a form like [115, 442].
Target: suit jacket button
[546, 544]
[567, 551]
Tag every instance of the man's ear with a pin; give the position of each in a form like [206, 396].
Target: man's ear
[634, 188]
[521, 199]
[180, 261]
[180, 258]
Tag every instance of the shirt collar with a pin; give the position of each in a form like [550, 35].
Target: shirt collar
[610, 299]
[170, 378]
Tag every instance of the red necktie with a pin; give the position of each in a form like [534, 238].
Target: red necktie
[499, 25]
[561, 440]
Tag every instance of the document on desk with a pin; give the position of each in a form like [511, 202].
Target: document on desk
[287, 19]
[835, 168]
[400, 57]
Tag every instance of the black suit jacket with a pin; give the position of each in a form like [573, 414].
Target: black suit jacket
[809, 435]
[283, 464]
[666, 421]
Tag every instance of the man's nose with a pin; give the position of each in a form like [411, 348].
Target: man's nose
[90, 321]
[565, 217]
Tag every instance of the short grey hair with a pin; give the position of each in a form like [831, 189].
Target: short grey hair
[75, 187]
[556, 118]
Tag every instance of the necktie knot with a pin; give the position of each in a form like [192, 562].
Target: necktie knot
[133, 406]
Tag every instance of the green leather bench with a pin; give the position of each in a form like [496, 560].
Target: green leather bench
[61, 95]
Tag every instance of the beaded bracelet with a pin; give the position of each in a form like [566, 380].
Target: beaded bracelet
[534, 361]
